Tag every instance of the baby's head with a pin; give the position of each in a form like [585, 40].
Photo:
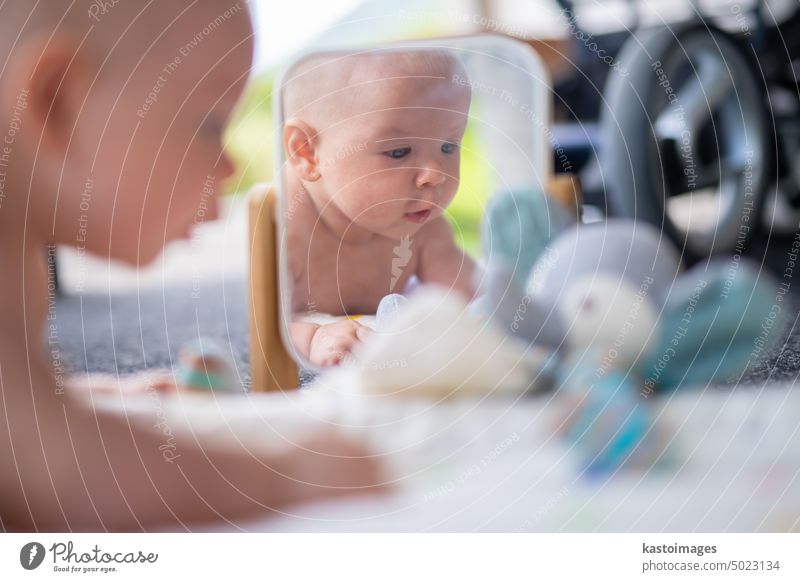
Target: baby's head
[375, 137]
[118, 109]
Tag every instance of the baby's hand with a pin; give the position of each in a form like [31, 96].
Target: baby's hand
[334, 342]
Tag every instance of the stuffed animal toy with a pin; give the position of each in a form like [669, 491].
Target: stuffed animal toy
[625, 321]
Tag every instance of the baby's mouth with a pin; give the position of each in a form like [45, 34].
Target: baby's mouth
[418, 217]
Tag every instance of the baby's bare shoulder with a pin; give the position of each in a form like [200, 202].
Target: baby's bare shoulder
[436, 245]
[436, 233]
[443, 262]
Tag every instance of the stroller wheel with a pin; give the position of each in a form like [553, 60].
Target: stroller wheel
[686, 139]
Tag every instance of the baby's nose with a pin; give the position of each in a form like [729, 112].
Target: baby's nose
[224, 166]
[430, 175]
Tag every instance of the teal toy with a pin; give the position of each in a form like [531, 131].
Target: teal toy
[625, 322]
[606, 422]
[204, 366]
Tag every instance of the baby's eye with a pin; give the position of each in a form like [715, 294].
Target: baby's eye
[213, 125]
[398, 153]
[448, 148]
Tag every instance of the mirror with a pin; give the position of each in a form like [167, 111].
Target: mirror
[388, 156]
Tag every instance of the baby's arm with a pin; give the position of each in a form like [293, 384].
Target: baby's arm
[442, 262]
[302, 333]
[329, 344]
[161, 381]
[71, 468]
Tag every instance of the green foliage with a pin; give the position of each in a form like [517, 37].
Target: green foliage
[251, 135]
[466, 211]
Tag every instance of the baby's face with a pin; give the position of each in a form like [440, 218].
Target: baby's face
[153, 158]
[395, 166]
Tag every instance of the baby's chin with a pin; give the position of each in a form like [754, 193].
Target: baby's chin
[141, 257]
[398, 228]
[402, 231]
[149, 249]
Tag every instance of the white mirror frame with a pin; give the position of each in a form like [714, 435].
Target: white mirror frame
[541, 90]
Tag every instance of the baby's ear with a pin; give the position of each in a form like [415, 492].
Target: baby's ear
[57, 75]
[299, 142]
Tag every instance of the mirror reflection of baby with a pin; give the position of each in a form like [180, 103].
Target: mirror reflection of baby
[373, 153]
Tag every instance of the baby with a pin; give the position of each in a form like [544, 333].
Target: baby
[112, 120]
[373, 153]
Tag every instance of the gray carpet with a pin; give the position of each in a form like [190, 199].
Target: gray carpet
[125, 333]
